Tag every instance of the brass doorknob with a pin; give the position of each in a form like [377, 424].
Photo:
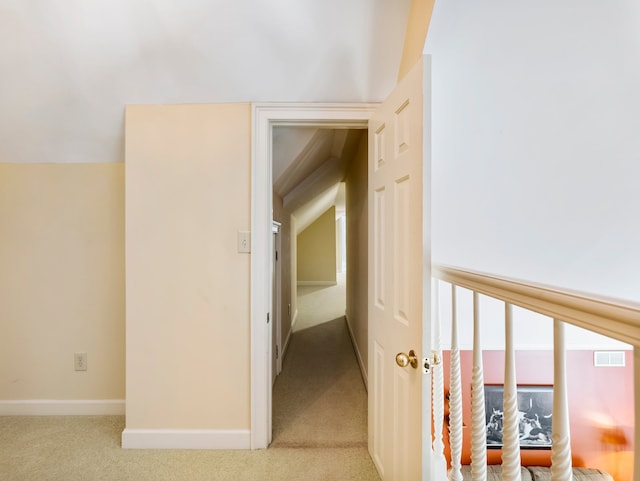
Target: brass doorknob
[404, 360]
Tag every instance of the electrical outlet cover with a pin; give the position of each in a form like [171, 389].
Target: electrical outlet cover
[80, 361]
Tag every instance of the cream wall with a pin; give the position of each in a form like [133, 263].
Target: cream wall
[187, 196]
[62, 281]
[357, 267]
[317, 250]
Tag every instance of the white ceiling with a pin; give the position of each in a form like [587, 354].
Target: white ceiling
[69, 67]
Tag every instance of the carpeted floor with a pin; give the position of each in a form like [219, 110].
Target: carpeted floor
[319, 399]
[319, 432]
[87, 448]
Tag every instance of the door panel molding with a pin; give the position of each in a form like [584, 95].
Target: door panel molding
[399, 281]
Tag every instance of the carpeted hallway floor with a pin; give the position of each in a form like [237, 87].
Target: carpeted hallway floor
[319, 399]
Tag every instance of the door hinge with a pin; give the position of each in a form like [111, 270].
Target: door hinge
[267, 318]
[277, 352]
[276, 255]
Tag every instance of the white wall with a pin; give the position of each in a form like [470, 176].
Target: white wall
[536, 140]
[68, 68]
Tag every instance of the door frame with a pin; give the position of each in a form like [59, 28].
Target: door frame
[265, 116]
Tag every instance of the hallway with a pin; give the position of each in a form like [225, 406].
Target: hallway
[319, 399]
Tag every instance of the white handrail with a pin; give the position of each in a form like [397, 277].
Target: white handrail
[615, 318]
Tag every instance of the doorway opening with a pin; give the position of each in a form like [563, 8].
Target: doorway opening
[313, 348]
[265, 118]
[319, 399]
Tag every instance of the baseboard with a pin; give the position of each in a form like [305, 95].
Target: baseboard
[186, 439]
[317, 283]
[46, 407]
[363, 371]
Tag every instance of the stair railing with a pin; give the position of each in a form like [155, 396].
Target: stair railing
[613, 318]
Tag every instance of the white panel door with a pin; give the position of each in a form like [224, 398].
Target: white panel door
[399, 277]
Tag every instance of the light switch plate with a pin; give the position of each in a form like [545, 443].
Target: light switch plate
[244, 241]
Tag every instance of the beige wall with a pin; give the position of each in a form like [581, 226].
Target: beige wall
[317, 250]
[357, 234]
[62, 280]
[284, 217]
[187, 196]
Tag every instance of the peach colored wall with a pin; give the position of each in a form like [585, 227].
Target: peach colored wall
[187, 316]
[595, 393]
[317, 250]
[62, 281]
[357, 234]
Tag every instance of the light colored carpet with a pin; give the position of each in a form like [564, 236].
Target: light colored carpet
[319, 398]
[87, 448]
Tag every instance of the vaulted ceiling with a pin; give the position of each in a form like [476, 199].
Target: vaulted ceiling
[309, 165]
[69, 67]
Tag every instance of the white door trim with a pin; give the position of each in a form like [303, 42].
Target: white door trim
[264, 118]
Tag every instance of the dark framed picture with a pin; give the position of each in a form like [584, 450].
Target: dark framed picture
[535, 405]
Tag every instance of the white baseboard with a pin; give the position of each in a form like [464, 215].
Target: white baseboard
[186, 439]
[363, 370]
[47, 407]
[317, 283]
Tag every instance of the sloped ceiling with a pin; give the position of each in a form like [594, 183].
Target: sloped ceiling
[309, 166]
[69, 67]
